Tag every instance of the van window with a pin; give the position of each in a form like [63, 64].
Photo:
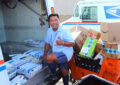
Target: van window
[89, 14]
[76, 11]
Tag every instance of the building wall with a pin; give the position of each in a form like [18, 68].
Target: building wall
[65, 8]
[22, 24]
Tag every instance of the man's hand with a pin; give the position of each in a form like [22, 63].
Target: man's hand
[59, 42]
[44, 57]
[67, 44]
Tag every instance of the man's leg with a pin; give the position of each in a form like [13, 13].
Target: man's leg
[61, 59]
[62, 62]
[52, 67]
[51, 62]
[65, 75]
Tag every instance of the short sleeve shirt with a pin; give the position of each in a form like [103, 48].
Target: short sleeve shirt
[65, 35]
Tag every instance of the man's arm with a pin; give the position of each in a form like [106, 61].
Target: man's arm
[68, 44]
[46, 49]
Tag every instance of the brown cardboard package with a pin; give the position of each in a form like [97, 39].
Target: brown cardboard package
[95, 34]
[111, 54]
[110, 31]
[98, 47]
[79, 34]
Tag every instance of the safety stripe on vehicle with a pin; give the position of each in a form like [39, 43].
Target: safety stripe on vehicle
[1, 62]
[2, 68]
[82, 23]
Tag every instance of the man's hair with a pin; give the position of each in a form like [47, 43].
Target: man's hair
[51, 15]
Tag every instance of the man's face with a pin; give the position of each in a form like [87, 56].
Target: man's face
[54, 22]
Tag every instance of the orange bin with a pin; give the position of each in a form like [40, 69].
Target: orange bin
[110, 70]
[76, 72]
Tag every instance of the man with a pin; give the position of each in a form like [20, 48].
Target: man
[62, 44]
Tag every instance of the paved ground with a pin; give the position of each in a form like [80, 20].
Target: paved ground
[60, 82]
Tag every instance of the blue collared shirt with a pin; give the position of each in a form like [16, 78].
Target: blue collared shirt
[65, 36]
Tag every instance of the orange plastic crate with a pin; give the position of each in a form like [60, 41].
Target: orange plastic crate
[76, 72]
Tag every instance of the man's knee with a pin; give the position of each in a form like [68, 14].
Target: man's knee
[51, 57]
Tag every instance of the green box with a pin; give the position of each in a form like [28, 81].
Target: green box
[88, 47]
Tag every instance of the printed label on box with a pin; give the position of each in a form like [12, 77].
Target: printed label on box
[84, 50]
[119, 48]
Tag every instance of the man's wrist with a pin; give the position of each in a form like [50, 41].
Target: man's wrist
[45, 53]
[63, 43]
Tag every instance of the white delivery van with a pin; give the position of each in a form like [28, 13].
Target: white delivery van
[90, 14]
[23, 27]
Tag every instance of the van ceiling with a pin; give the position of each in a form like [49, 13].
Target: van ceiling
[10, 3]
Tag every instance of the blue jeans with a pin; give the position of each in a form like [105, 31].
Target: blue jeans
[62, 60]
[62, 63]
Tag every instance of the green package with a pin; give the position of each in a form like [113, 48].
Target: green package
[88, 47]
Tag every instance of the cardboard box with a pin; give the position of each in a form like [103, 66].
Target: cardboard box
[98, 47]
[79, 34]
[110, 31]
[111, 50]
[90, 44]
[94, 34]
[88, 47]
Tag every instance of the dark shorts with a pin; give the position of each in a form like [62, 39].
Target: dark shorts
[62, 60]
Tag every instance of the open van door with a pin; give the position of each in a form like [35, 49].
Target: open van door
[4, 80]
[50, 6]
